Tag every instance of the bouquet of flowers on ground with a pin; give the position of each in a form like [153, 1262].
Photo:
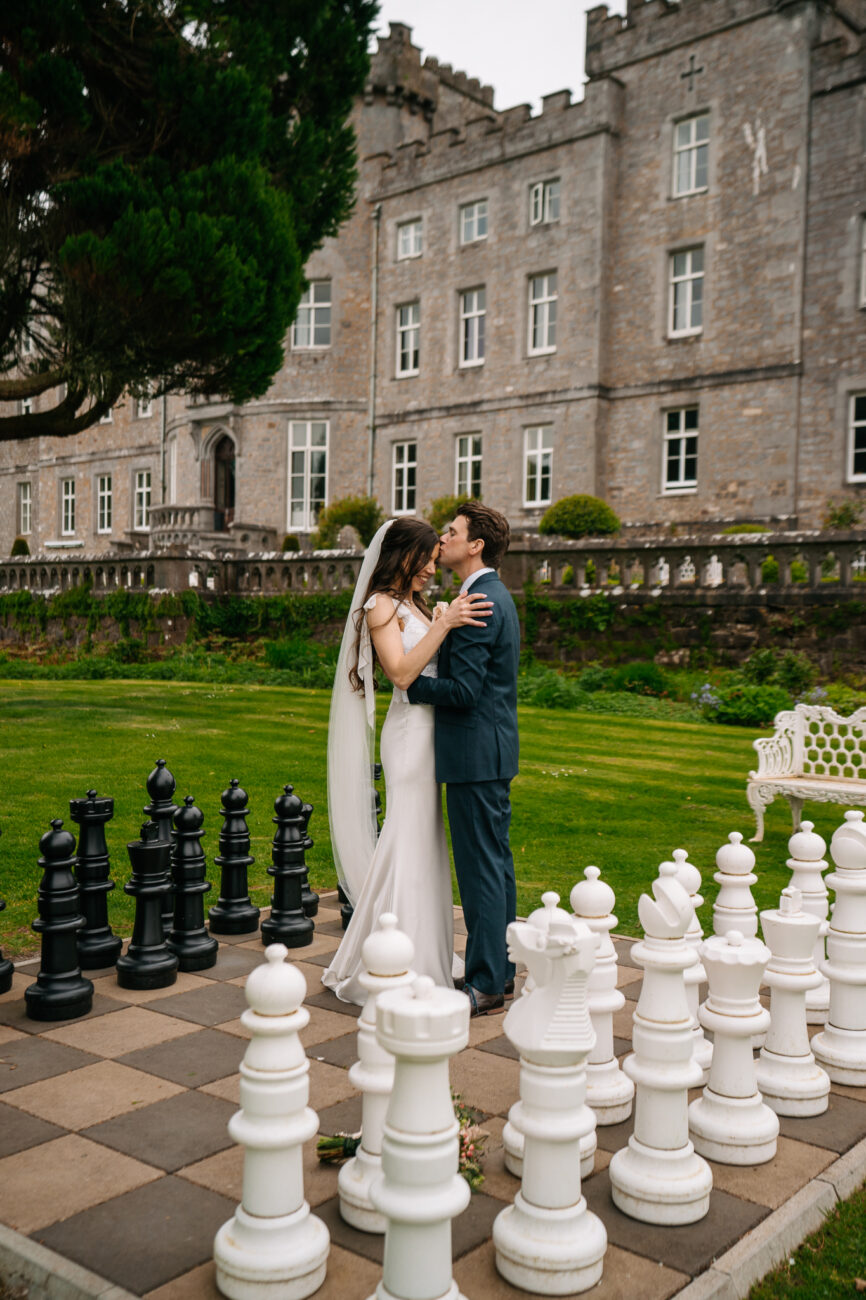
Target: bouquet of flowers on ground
[335, 1149]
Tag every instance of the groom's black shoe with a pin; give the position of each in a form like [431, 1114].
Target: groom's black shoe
[483, 1004]
[460, 983]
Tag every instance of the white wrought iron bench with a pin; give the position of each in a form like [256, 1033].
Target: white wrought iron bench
[814, 754]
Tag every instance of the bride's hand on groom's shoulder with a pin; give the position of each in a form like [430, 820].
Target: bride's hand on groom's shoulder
[467, 610]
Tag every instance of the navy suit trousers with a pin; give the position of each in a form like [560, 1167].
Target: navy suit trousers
[479, 814]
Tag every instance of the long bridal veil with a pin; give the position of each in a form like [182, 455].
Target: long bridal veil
[352, 743]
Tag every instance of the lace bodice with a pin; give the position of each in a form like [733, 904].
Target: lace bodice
[414, 628]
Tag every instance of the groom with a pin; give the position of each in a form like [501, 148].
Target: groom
[476, 748]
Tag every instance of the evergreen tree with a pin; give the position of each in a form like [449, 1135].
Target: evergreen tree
[166, 169]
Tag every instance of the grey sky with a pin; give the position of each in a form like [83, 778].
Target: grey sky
[523, 48]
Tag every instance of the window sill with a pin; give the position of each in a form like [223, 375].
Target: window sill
[409, 257]
[470, 365]
[685, 334]
[536, 505]
[470, 243]
[311, 347]
[541, 352]
[689, 194]
[407, 374]
[404, 513]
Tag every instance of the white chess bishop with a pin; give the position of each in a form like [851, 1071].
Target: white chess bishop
[548, 1242]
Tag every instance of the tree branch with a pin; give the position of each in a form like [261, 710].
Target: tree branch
[12, 390]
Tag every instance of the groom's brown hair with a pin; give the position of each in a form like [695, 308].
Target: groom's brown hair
[490, 527]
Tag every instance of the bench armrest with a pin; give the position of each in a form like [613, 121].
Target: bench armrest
[775, 756]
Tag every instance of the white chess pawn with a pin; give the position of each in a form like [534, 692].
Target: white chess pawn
[790, 1080]
[807, 864]
[609, 1092]
[548, 1242]
[512, 1138]
[419, 1190]
[841, 1046]
[690, 879]
[387, 955]
[730, 1122]
[735, 908]
[658, 1177]
[273, 1245]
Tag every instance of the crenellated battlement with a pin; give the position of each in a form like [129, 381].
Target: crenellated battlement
[397, 72]
[495, 137]
[652, 26]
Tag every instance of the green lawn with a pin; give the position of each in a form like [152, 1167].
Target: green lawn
[618, 792]
[830, 1265]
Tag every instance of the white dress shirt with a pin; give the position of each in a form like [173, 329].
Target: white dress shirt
[477, 574]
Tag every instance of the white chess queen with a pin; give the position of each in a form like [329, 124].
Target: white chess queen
[407, 871]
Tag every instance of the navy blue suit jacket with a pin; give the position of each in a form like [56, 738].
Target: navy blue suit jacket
[476, 694]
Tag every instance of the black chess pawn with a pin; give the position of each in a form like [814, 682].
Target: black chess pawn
[161, 786]
[287, 923]
[61, 992]
[234, 913]
[309, 897]
[6, 967]
[97, 944]
[147, 962]
[346, 909]
[188, 938]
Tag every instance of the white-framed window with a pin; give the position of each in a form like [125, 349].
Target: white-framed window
[537, 465]
[473, 221]
[104, 503]
[143, 408]
[473, 312]
[681, 450]
[25, 508]
[863, 260]
[410, 239]
[408, 338]
[468, 465]
[686, 315]
[404, 462]
[544, 202]
[26, 342]
[308, 472]
[691, 155]
[312, 327]
[67, 507]
[141, 500]
[542, 313]
[108, 418]
[857, 439]
[25, 406]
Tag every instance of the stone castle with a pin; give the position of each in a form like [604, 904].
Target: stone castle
[656, 295]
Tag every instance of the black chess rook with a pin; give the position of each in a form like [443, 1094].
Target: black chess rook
[98, 946]
[234, 913]
[147, 962]
[161, 786]
[287, 922]
[61, 992]
[189, 940]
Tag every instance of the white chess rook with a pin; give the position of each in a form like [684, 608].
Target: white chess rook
[609, 1092]
[730, 1123]
[548, 1242]
[512, 1138]
[690, 879]
[419, 1190]
[841, 1046]
[658, 1177]
[807, 865]
[790, 1080]
[273, 1248]
[387, 955]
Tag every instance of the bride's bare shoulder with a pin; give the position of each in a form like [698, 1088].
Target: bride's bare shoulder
[380, 609]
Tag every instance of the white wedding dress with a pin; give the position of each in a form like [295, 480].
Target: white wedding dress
[410, 874]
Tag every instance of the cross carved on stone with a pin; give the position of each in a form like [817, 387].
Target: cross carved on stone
[691, 72]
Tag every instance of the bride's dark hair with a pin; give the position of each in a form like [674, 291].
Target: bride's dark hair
[406, 548]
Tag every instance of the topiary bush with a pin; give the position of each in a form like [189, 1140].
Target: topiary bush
[363, 513]
[441, 511]
[19, 547]
[639, 679]
[580, 516]
[291, 543]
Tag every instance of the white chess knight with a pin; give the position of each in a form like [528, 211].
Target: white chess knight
[841, 1046]
[730, 1123]
[273, 1248]
[789, 1078]
[690, 879]
[419, 1190]
[659, 1177]
[609, 1092]
[807, 865]
[512, 1138]
[548, 1242]
[387, 957]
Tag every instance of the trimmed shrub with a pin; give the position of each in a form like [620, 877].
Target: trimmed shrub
[580, 516]
[363, 513]
[291, 543]
[760, 667]
[441, 511]
[639, 679]
[743, 704]
[796, 673]
[19, 547]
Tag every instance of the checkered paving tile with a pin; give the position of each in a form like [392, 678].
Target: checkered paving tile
[113, 1137]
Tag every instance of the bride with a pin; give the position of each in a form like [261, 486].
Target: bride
[407, 871]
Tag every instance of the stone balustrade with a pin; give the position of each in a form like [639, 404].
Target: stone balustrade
[789, 562]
